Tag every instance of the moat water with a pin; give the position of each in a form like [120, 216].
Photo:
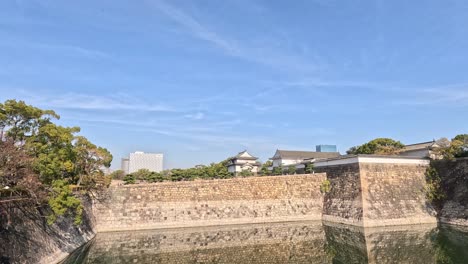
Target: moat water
[305, 242]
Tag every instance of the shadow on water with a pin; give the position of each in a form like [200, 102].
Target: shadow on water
[305, 242]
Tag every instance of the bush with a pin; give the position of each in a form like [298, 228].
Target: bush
[309, 168]
[325, 187]
[129, 179]
[433, 188]
[154, 177]
[245, 173]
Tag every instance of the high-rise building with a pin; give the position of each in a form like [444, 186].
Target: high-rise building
[124, 165]
[140, 160]
[325, 148]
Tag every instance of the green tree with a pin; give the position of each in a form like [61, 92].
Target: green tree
[380, 146]
[129, 179]
[264, 170]
[154, 177]
[63, 202]
[117, 175]
[245, 173]
[291, 169]
[277, 170]
[54, 153]
[42, 159]
[309, 168]
[460, 145]
[22, 120]
[90, 160]
[142, 174]
[456, 148]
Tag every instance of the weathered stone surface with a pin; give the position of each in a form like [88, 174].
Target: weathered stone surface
[211, 202]
[344, 201]
[31, 240]
[377, 194]
[454, 175]
[393, 194]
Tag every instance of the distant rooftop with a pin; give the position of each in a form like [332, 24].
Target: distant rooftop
[418, 146]
[296, 154]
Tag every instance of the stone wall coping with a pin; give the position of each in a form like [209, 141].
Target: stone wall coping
[212, 181]
[349, 159]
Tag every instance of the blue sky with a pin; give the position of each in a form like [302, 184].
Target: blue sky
[203, 80]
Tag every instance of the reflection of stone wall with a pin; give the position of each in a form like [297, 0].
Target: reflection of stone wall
[211, 202]
[298, 242]
[403, 244]
[376, 191]
[275, 243]
[454, 176]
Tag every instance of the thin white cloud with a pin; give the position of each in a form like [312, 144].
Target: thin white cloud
[95, 102]
[63, 49]
[195, 27]
[449, 95]
[195, 116]
[260, 52]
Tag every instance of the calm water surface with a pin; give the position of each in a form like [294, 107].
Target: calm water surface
[280, 243]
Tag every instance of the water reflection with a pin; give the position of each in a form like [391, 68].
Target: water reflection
[280, 243]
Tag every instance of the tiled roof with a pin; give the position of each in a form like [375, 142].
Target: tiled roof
[239, 156]
[418, 146]
[294, 154]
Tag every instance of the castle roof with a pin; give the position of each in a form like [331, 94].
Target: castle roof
[296, 154]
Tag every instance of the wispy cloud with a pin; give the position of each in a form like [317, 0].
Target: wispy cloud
[56, 48]
[450, 95]
[94, 102]
[259, 50]
[195, 116]
[195, 27]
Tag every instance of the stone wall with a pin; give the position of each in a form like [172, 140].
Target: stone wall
[393, 194]
[376, 191]
[29, 239]
[210, 202]
[454, 175]
[344, 201]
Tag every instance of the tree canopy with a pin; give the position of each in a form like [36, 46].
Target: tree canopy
[41, 159]
[381, 146]
[455, 148]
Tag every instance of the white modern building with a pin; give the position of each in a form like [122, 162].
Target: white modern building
[124, 165]
[140, 160]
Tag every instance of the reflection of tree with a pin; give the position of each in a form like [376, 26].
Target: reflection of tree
[450, 245]
[330, 250]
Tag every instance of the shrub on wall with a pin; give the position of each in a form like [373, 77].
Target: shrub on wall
[325, 187]
[433, 188]
[309, 168]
